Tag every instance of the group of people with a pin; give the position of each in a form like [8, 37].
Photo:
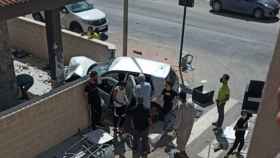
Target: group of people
[140, 116]
[173, 102]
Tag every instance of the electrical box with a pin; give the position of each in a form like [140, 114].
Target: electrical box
[188, 3]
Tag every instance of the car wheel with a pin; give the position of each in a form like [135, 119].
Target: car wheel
[75, 27]
[38, 17]
[258, 13]
[217, 6]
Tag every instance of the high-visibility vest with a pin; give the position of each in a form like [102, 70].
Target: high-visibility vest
[94, 35]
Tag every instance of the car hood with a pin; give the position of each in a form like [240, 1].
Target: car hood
[272, 3]
[78, 66]
[91, 15]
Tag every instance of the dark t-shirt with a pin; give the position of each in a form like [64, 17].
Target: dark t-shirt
[168, 96]
[140, 118]
[241, 126]
[93, 93]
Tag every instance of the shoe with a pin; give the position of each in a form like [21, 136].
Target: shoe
[215, 129]
[177, 155]
[214, 123]
[238, 154]
[217, 149]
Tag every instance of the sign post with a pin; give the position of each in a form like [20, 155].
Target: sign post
[185, 3]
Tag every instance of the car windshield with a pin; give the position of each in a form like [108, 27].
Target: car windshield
[101, 68]
[80, 6]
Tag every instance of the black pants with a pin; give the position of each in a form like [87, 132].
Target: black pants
[140, 143]
[221, 113]
[239, 142]
[167, 107]
[119, 116]
[96, 113]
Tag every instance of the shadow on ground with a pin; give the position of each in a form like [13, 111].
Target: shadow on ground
[223, 143]
[245, 17]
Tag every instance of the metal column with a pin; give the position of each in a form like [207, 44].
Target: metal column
[8, 88]
[55, 48]
[182, 45]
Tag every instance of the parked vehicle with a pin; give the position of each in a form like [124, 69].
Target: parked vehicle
[257, 8]
[79, 16]
[156, 73]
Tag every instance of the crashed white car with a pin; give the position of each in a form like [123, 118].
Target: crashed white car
[156, 73]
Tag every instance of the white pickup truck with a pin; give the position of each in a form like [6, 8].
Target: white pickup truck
[78, 17]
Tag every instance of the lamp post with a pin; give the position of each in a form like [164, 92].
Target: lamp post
[125, 26]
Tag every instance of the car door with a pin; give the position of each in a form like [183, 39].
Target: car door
[106, 86]
[246, 6]
[130, 90]
[229, 4]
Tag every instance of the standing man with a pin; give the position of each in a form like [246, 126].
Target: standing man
[143, 92]
[168, 98]
[94, 99]
[223, 97]
[140, 124]
[184, 123]
[120, 102]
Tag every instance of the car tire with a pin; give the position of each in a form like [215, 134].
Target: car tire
[258, 13]
[38, 17]
[217, 6]
[75, 27]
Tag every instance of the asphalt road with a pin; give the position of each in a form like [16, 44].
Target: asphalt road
[231, 43]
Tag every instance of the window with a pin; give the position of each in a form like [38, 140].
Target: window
[80, 6]
[107, 85]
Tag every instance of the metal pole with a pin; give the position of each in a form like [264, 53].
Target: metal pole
[182, 44]
[125, 26]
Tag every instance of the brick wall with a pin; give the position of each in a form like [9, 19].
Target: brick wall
[30, 36]
[28, 130]
[265, 142]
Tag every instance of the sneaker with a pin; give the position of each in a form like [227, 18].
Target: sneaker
[238, 154]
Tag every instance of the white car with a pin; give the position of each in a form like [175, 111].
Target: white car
[78, 17]
[156, 74]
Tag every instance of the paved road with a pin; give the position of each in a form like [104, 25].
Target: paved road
[221, 43]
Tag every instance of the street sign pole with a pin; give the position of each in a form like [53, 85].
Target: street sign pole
[182, 44]
[182, 36]
[185, 3]
[125, 26]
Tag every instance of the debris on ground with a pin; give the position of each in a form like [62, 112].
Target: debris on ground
[42, 84]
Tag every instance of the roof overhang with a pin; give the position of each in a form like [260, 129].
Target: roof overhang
[15, 8]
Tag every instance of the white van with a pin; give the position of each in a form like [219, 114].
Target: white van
[79, 16]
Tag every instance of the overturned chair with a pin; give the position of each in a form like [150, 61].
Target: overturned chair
[201, 98]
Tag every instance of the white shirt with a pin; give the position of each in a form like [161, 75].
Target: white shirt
[120, 98]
